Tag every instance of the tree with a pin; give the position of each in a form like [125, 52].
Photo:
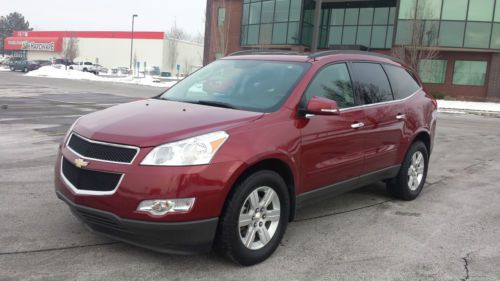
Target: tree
[71, 50]
[10, 23]
[421, 44]
[176, 33]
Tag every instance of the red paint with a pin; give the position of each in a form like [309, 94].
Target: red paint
[319, 151]
[93, 34]
[45, 43]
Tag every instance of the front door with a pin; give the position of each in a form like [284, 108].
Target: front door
[332, 147]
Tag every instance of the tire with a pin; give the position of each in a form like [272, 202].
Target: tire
[274, 218]
[85, 70]
[71, 67]
[410, 180]
[12, 68]
[25, 70]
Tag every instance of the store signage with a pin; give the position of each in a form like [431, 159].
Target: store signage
[41, 44]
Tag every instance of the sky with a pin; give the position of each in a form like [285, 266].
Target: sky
[110, 15]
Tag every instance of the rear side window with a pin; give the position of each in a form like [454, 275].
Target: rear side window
[403, 84]
[371, 83]
[332, 82]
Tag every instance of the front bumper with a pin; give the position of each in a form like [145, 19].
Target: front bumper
[172, 237]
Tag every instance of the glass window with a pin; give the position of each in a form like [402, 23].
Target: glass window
[392, 17]
[381, 16]
[335, 36]
[497, 12]
[454, 9]
[363, 35]
[480, 10]
[265, 33]
[407, 9]
[404, 32]
[390, 32]
[403, 85]
[372, 83]
[349, 35]
[430, 36]
[495, 36]
[221, 16]
[281, 13]
[429, 9]
[477, 35]
[337, 17]
[471, 73]
[451, 34]
[279, 33]
[267, 12]
[332, 82]
[378, 37]
[351, 16]
[254, 13]
[293, 33]
[246, 11]
[432, 71]
[253, 34]
[295, 9]
[244, 34]
[244, 84]
[366, 16]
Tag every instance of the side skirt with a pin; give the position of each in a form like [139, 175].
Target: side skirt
[319, 194]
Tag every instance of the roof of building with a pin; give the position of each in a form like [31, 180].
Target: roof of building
[93, 34]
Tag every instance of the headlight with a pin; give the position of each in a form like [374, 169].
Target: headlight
[193, 151]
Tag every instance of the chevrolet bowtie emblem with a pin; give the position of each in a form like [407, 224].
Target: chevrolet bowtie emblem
[80, 163]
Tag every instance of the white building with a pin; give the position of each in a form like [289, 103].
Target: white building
[110, 48]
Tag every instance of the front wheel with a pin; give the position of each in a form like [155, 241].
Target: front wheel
[255, 218]
[410, 180]
[12, 68]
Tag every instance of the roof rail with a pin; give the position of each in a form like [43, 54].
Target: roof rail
[265, 52]
[346, 52]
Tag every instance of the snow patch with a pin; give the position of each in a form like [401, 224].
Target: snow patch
[445, 105]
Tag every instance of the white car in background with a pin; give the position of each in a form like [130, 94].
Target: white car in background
[86, 66]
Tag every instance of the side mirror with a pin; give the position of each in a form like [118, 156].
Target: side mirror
[322, 106]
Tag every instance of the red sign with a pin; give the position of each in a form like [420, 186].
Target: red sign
[42, 44]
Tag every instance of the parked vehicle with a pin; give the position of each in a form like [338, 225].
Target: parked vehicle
[24, 65]
[228, 155]
[121, 71]
[43, 62]
[62, 62]
[86, 66]
[8, 60]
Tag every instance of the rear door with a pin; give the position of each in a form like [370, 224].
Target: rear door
[383, 126]
[332, 150]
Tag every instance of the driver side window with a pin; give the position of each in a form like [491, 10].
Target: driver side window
[332, 82]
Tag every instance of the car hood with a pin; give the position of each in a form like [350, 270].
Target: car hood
[152, 122]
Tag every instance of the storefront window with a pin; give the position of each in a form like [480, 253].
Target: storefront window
[404, 32]
[432, 71]
[279, 33]
[349, 35]
[495, 36]
[497, 12]
[472, 73]
[381, 16]
[477, 35]
[267, 12]
[481, 10]
[255, 13]
[451, 34]
[363, 35]
[455, 9]
[365, 16]
[351, 16]
[378, 37]
[282, 8]
[429, 9]
[407, 9]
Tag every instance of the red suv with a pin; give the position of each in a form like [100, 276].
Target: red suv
[227, 156]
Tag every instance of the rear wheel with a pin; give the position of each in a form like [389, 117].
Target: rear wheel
[25, 69]
[410, 180]
[12, 68]
[255, 218]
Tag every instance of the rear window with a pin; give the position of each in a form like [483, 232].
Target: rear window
[403, 84]
[371, 83]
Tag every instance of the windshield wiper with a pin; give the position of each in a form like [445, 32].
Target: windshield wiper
[216, 103]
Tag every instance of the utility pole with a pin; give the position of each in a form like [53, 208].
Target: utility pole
[132, 40]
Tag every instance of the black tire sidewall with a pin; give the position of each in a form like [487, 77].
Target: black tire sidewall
[237, 251]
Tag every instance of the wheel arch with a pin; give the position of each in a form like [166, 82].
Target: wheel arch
[272, 164]
[424, 137]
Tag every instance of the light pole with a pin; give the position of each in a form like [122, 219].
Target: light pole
[132, 40]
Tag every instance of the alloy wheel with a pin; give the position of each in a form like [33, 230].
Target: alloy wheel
[416, 170]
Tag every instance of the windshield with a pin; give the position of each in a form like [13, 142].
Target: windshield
[241, 84]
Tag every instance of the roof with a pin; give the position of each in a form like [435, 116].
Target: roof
[93, 34]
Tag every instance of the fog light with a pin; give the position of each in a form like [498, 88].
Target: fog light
[161, 207]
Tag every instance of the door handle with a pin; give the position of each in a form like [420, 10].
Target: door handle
[357, 125]
[401, 116]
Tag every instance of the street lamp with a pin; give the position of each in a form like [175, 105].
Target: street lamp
[132, 40]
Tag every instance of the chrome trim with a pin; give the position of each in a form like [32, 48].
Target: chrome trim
[358, 125]
[137, 149]
[379, 103]
[88, 192]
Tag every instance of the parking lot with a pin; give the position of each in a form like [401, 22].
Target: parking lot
[451, 232]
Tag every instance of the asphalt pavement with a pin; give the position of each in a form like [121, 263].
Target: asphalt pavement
[451, 232]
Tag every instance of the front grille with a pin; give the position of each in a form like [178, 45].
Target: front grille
[101, 151]
[82, 179]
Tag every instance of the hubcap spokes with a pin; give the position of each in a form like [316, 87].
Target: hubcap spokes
[259, 218]
[416, 170]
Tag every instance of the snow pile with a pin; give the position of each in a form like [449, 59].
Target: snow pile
[447, 105]
[4, 68]
[61, 72]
